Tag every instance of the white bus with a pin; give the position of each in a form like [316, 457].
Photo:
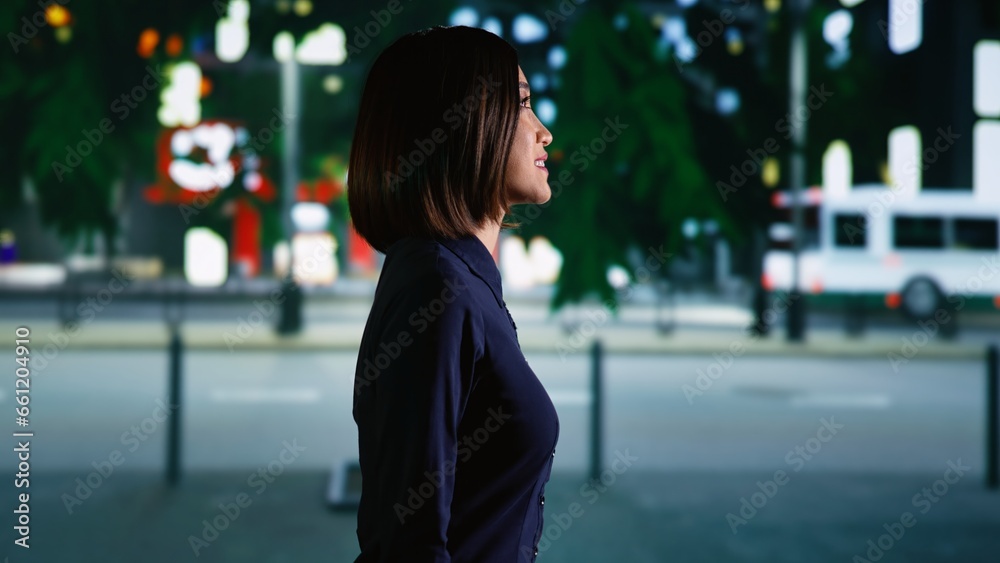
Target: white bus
[924, 252]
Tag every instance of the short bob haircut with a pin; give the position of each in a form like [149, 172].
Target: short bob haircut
[434, 132]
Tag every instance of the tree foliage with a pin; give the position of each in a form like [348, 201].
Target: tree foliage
[625, 186]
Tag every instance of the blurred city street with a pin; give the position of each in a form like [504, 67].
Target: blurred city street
[697, 449]
[763, 402]
[751, 249]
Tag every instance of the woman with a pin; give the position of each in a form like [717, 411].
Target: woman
[456, 434]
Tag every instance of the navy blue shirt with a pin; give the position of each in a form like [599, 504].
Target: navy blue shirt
[455, 432]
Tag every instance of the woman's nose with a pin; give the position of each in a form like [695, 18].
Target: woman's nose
[545, 137]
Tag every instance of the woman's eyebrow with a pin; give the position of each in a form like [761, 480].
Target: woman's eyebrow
[524, 85]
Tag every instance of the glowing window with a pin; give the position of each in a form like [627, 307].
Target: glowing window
[837, 169]
[905, 25]
[986, 78]
[904, 159]
[985, 164]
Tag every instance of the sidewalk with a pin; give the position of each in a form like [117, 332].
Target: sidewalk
[334, 320]
[640, 517]
[242, 334]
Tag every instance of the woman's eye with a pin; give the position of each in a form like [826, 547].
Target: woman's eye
[524, 101]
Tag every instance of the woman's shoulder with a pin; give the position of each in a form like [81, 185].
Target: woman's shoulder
[419, 266]
[423, 288]
[425, 257]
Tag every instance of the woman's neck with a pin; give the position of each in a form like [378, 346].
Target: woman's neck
[489, 234]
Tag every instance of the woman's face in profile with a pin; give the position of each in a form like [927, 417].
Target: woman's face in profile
[527, 177]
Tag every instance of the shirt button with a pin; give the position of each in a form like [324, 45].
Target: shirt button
[536, 551]
[543, 500]
[553, 452]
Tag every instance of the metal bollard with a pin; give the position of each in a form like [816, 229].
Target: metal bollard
[596, 401]
[992, 417]
[174, 428]
[854, 315]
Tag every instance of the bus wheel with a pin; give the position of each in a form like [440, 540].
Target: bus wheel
[921, 298]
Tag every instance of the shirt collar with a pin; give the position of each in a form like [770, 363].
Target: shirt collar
[473, 252]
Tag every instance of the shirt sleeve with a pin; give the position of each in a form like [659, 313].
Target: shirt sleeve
[429, 349]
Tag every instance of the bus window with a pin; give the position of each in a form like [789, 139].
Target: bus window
[918, 232]
[849, 230]
[976, 234]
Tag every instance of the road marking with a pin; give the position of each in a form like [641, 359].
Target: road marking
[569, 397]
[710, 315]
[764, 391]
[266, 395]
[861, 401]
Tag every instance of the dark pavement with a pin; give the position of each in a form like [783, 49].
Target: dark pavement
[639, 517]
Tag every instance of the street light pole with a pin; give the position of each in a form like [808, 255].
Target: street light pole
[291, 307]
[290, 149]
[798, 76]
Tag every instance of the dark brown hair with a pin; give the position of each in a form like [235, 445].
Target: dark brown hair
[434, 132]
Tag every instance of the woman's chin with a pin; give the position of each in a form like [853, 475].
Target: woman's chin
[542, 195]
[536, 197]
